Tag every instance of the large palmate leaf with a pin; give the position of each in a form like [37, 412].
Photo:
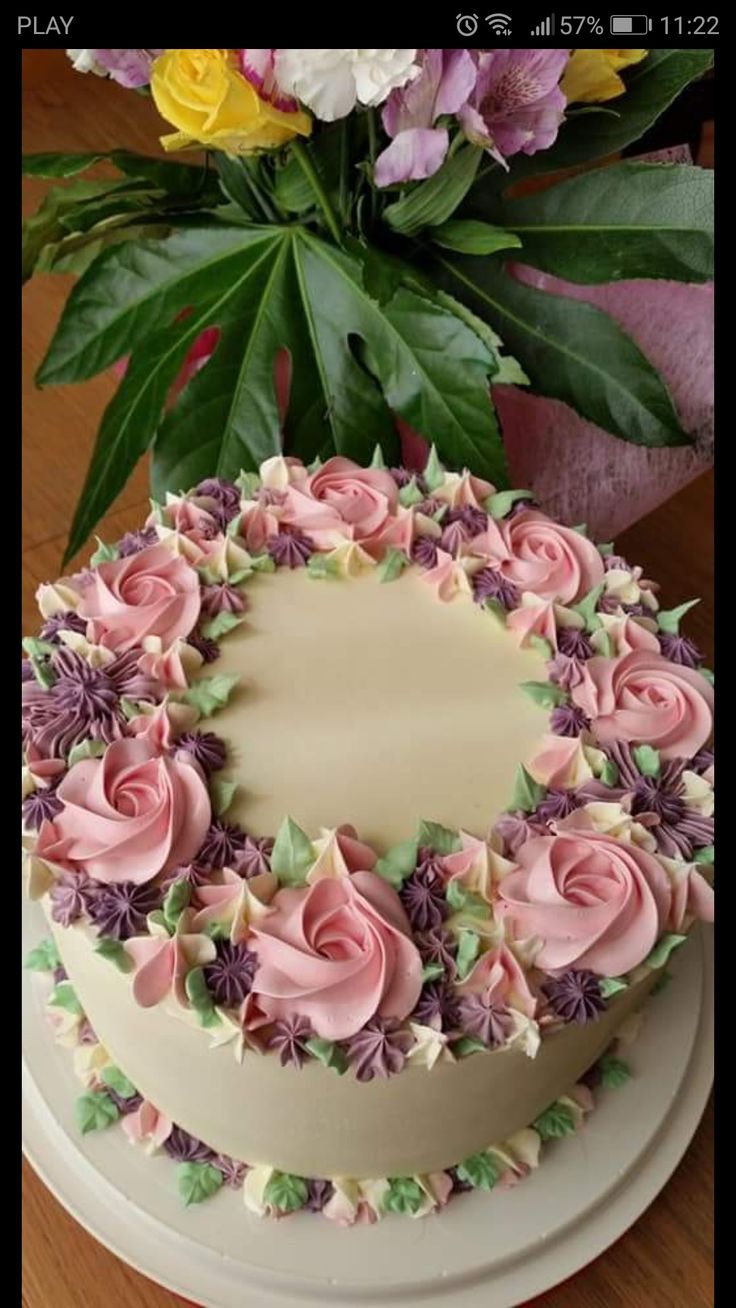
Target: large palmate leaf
[571, 351]
[651, 86]
[265, 289]
[629, 220]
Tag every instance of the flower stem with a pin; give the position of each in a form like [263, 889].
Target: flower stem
[306, 164]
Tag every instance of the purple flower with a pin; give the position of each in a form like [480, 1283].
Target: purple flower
[476, 520]
[516, 104]
[70, 897]
[680, 830]
[437, 1006]
[490, 583]
[568, 720]
[83, 702]
[479, 1016]
[255, 858]
[438, 946]
[418, 148]
[703, 761]
[424, 551]
[69, 621]
[121, 908]
[225, 493]
[134, 541]
[193, 873]
[221, 597]
[319, 1193]
[40, 806]
[556, 804]
[380, 1049]
[564, 671]
[26, 671]
[290, 549]
[206, 748]
[515, 829]
[401, 476]
[233, 1172]
[454, 537]
[230, 975]
[130, 68]
[209, 649]
[575, 996]
[123, 1105]
[221, 844]
[423, 897]
[289, 1040]
[574, 643]
[679, 649]
[185, 1148]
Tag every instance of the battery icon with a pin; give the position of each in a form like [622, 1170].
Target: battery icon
[630, 24]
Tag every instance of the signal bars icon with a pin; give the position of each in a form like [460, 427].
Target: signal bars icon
[545, 28]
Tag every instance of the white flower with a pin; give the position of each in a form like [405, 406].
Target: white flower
[331, 82]
[84, 62]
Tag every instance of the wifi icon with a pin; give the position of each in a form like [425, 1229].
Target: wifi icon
[500, 24]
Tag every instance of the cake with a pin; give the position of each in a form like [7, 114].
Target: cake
[365, 807]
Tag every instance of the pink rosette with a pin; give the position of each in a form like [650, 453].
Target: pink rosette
[643, 697]
[151, 593]
[128, 815]
[338, 953]
[344, 499]
[542, 556]
[595, 902]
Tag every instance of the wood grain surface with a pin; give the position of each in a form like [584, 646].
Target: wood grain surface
[665, 1260]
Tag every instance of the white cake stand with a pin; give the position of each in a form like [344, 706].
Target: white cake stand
[506, 1247]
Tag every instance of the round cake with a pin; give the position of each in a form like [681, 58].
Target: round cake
[365, 807]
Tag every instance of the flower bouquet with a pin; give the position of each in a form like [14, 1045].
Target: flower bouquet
[375, 246]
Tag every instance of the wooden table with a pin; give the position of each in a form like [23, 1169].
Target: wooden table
[665, 1260]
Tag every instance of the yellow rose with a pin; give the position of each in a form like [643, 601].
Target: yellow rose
[592, 75]
[203, 95]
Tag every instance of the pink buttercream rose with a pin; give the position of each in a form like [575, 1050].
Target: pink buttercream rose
[151, 593]
[338, 953]
[594, 902]
[342, 499]
[542, 556]
[644, 697]
[128, 815]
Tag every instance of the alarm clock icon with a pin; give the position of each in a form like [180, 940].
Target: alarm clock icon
[467, 24]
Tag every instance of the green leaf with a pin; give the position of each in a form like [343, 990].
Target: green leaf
[248, 483]
[612, 985]
[64, 996]
[220, 625]
[664, 947]
[118, 1082]
[410, 494]
[544, 693]
[669, 619]
[221, 795]
[104, 553]
[468, 236]
[705, 855]
[527, 792]
[44, 958]
[462, 900]
[94, 1111]
[482, 1171]
[378, 460]
[113, 951]
[586, 607]
[468, 949]
[321, 566]
[86, 749]
[47, 225]
[647, 760]
[430, 203]
[707, 675]
[500, 504]
[327, 1053]
[285, 1192]
[176, 900]
[434, 472]
[432, 972]
[392, 565]
[293, 854]
[441, 839]
[197, 1181]
[398, 863]
[571, 352]
[609, 773]
[50, 166]
[555, 1122]
[38, 649]
[614, 1072]
[468, 1045]
[629, 220]
[404, 1195]
[651, 86]
[199, 996]
[208, 694]
[605, 648]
